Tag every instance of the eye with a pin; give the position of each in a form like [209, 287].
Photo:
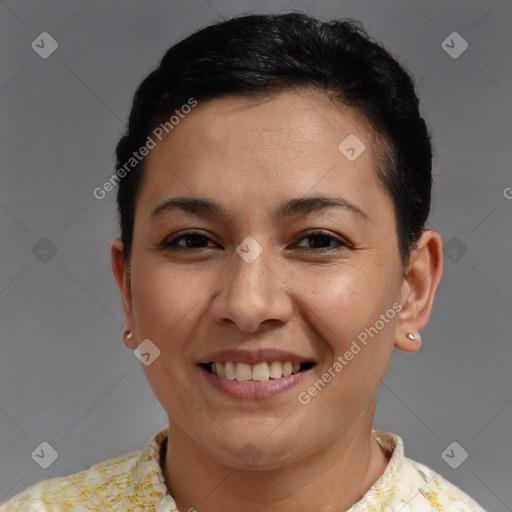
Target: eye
[321, 241]
[192, 240]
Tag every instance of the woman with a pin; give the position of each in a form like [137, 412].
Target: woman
[274, 187]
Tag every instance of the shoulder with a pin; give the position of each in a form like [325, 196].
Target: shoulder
[431, 491]
[409, 486]
[131, 482]
[83, 490]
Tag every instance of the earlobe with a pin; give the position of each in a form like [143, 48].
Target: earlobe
[129, 340]
[409, 343]
[418, 290]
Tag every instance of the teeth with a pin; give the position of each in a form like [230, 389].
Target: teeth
[259, 372]
[219, 369]
[229, 370]
[276, 369]
[287, 369]
[243, 371]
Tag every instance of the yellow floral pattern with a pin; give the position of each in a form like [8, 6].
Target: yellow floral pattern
[134, 482]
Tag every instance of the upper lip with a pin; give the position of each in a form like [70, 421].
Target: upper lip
[254, 356]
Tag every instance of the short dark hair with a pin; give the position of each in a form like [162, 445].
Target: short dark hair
[264, 54]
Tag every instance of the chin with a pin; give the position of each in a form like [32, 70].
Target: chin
[255, 452]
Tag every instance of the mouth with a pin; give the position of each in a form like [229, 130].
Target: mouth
[254, 374]
[257, 372]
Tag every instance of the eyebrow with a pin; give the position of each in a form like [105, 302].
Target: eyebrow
[300, 206]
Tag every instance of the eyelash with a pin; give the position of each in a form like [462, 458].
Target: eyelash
[172, 243]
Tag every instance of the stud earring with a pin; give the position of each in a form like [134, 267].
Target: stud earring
[411, 336]
[128, 334]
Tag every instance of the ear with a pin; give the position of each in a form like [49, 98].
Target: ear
[121, 271]
[419, 286]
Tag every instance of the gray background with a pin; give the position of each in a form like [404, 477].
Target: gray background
[65, 376]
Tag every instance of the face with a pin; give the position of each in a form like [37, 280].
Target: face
[284, 259]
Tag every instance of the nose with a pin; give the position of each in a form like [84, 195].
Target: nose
[251, 294]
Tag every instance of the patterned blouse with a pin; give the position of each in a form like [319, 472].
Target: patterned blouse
[134, 482]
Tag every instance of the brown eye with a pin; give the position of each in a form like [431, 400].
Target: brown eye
[323, 241]
[191, 240]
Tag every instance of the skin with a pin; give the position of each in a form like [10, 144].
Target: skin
[251, 155]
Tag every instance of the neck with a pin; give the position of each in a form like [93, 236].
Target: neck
[333, 478]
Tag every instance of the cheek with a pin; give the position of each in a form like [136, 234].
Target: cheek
[340, 303]
[166, 301]
[358, 322]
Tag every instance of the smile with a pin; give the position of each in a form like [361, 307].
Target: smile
[258, 372]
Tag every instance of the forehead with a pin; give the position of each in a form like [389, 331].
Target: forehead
[255, 149]
[283, 122]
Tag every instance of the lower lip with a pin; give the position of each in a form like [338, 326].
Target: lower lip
[252, 390]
